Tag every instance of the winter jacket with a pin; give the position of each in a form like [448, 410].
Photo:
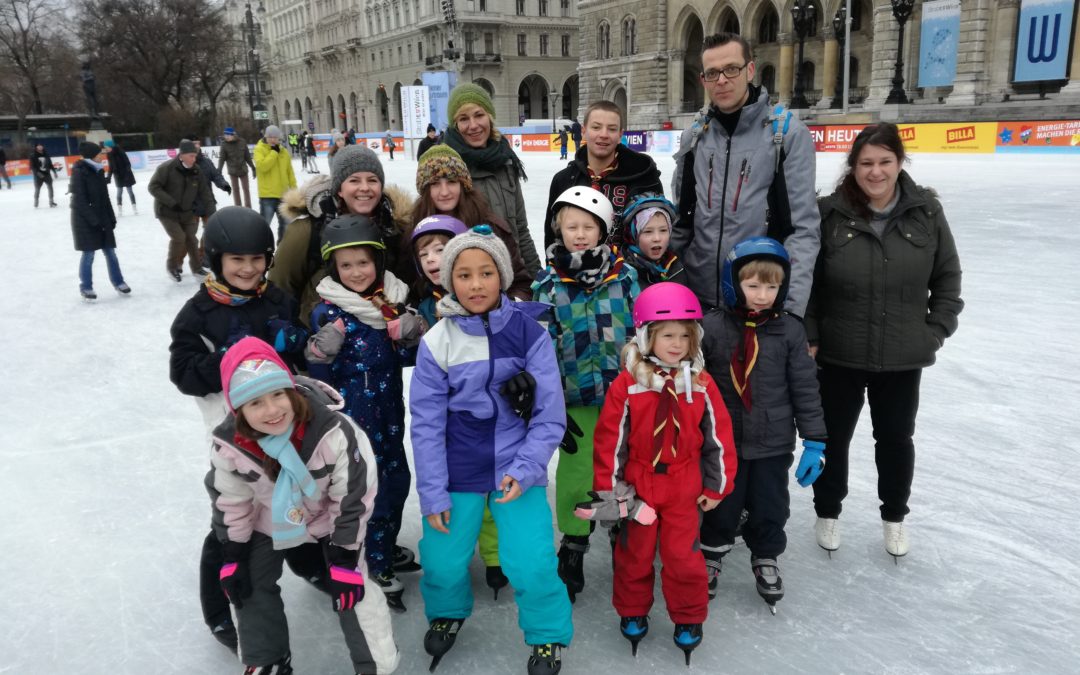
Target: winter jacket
[120, 173]
[41, 166]
[885, 303]
[465, 436]
[211, 176]
[589, 328]
[731, 178]
[425, 145]
[502, 188]
[337, 455]
[175, 189]
[636, 173]
[783, 384]
[624, 434]
[92, 217]
[298, 265]
[275, 170]
[235, 156]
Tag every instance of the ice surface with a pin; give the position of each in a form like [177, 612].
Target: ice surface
[104, 460]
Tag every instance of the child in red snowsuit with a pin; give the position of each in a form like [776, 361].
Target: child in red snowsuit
[662, 448]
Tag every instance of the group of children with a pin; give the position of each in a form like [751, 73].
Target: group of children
[658, 413]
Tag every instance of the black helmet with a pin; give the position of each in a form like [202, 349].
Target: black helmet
[352, 230]
[235, 229]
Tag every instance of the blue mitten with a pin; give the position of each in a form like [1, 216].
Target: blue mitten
[286, 336]
[811, 464]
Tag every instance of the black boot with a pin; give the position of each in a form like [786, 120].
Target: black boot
[496, 580]
[571, 561]
[713, 566]
[405, 560]
[769, 584]
[687, 638]
[634, 629]
[440, 638]
[546, 659]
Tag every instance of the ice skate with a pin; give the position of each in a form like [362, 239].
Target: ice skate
[687, 638]
[405, 560]
[119, 209]
[88, 294]
[634, 629]
[546, 659]
[571, 562]
[282, 667]
[496, 580]
[123, 289]
[440, 638]
[134, 209]
[769, 584]
[392, 588]
[225, 633]
[713, 567]
[896, 539]
[827, 531]
[175, 275]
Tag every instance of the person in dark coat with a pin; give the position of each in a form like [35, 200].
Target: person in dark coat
[575, 133]
[41, 166]
[235, 156]
[3, 167]
[427, 142]
[93, 220]
[175, 187]
[120, 174]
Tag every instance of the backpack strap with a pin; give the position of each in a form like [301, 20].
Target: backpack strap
[779, 131]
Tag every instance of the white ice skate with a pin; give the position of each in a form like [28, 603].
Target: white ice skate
[896, 539]
[828, 534]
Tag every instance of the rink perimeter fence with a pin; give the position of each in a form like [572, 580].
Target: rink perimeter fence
[1054, 136]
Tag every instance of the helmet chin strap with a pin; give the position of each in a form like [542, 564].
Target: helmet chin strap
[687, 366]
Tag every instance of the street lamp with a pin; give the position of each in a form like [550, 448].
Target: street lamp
[901, 9]
[839, 23]
[254, 93]
[802, 16]
[553, 95]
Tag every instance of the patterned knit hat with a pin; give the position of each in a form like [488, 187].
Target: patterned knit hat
[483, 238]
[469, 93]
[349, 160]
[442, 161]
[250, 369]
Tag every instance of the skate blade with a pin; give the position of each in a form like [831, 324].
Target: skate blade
[496, 594]
[772, 608]
[434, 663]
[633, 647]
[687, 653]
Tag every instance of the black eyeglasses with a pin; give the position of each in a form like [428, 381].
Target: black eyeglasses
[730, 72]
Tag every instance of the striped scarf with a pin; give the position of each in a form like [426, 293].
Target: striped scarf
[666, 416]
[229, 296]
[377, 297]
[745, 356]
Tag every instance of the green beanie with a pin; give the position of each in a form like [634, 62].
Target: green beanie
[469, 93]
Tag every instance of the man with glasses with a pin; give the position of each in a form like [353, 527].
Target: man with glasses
[733, 180]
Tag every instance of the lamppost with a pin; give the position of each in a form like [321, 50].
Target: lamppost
[258, 110]
[839, 23]
[802, 16]
[901, 9]
[553, 97]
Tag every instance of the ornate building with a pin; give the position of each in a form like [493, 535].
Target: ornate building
[342, 63]
[646, 56]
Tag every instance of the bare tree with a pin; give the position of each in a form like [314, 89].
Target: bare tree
[26, 29]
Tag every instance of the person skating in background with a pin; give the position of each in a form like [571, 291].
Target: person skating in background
[93, 221]
[563, 141]
[288, 470]
[275, 175]
[663, 451]
[479, 440]
[120, 175]
[757, 354]
[175, 186]
[495, 169]
[427, 142]
[234, 302]
[338, 141]
[3, 166]
[592, 294]
[210, 175]
[364, 335]
[294, 142]
[235, 156]
[575, 133]
[607, 165]
[303, 150]
[42, 169]
[646, 238]
[312, 152]
[445, 186]
[389, 140]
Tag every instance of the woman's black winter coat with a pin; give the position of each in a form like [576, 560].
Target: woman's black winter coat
[92, 217]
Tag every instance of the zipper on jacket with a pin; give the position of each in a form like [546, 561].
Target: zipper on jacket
[720, 239]
[491, 366]
[710, 178]
[738, 188]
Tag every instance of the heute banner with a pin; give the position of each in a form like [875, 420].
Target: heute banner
[938, 43]
[1043, 40]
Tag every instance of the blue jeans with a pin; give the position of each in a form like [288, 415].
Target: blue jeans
[268, 208]
[86, 269]
[120, 194]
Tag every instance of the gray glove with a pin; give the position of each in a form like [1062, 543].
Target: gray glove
[613, 506]
[323, 346]
[404, 329]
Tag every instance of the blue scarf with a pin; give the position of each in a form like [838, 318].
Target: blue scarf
[294, 481]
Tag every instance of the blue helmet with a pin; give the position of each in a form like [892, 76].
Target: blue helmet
[645, 200]
[754, 248]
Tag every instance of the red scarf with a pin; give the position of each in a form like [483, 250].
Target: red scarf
[667, 414]
[745, 357]
[378, 298]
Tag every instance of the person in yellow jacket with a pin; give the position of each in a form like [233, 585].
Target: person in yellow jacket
[275, 175]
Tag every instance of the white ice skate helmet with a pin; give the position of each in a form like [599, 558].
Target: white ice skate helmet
[587, 199]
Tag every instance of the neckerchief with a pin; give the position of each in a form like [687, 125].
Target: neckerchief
[377, 297]
[491, 157]
[666, 416]
[437, 292]
[292, 484]
[745, 356]
[589, 268]
[595, 178]
[653, 270]
[232, 297]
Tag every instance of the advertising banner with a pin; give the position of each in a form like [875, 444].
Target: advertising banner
[635, 140]
[17, 167]
[938, 43]
[537, 142]
[838, 138]
[665, 142]
[1045, 136]
[1042, 40]
[961, 137]
[439, 84]
[415, 111]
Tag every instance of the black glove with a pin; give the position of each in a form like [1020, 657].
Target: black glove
[108, 179]
[228, 189]
[235, 578]
[345, 581]
[569, 444]
[275, 148]
[519, 391]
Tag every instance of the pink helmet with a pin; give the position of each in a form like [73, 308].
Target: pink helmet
[666, 301]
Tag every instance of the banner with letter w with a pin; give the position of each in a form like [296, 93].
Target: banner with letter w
[1043, 40]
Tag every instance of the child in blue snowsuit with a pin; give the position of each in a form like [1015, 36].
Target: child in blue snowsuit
[476, 440]
[367, 335]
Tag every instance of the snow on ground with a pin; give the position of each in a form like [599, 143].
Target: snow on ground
[104, 462]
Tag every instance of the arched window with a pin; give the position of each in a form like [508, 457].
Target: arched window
[629, 46]
[856, 16]
[768, 78]
[729, 23]
[603, 41]
[806, 74]
[768, 27]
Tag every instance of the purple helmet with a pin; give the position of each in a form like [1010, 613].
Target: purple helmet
[447, 225]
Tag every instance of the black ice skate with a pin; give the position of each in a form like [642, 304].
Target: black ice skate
[440, 638]
[282, 667]
[769, 584]
[405, 560]
[713, 567]
[571, 561]
[496, 580]
[687, 638]
[546, 659]
[392, 588]
[634, 629]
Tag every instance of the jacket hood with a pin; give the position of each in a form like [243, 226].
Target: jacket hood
[305, 200]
